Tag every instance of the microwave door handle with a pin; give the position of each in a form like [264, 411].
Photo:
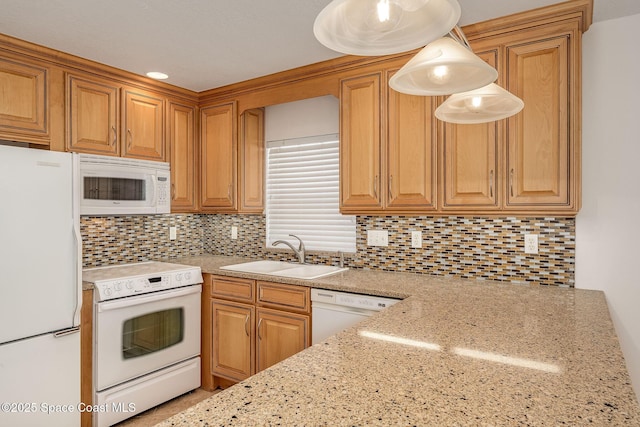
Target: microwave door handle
[154, 188]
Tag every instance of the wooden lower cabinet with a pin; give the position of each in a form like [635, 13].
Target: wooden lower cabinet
[280, 335]
[233, 338]
[249, 326]
[86, 356]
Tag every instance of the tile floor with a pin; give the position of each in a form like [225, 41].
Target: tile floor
[167, 409]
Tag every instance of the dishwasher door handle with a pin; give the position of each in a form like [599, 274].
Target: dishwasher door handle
[341, 308]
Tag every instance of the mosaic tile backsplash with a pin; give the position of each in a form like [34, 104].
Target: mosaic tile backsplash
[113, 240]
[468, 247]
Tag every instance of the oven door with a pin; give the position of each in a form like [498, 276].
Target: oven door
[138, 335]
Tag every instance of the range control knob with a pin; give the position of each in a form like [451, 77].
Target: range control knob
[118, 286]
[129, 284]
[187, 275]
[107, 291]
[179, 276]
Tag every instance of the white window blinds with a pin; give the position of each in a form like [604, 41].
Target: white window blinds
[303, 194]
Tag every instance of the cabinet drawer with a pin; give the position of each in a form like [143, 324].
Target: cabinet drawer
[288, 297]
[233, 288]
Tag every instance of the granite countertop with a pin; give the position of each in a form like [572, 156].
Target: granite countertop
[453, 352]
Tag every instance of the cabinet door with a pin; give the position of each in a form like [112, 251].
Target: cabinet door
[360, 132]
[92, 116]
[411, 152]
[232, 356]
[182, 156]
[538, 137]
[23, 102]
[218, 133]
[143, 125]
[280, 335]
[252, 161]
[471, 161]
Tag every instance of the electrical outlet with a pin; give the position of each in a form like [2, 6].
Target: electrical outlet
[173, 233]
[377, 238]
[416, 239]
[530, 243]
[234, 232]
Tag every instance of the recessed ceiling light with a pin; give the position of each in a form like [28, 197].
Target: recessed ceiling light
[157, 75]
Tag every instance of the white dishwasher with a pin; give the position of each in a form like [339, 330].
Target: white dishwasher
[334, 311]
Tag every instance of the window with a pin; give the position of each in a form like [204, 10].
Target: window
[303, 194]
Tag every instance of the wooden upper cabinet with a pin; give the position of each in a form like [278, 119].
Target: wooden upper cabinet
[539, 155]
[360, 139]
[410, 152]
[92, 116]
[23, 102]
[252, 148]
[218, 135]
[182, 157]
[143, 125]
[470, 157]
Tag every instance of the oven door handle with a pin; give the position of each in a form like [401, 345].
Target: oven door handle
[144, 299]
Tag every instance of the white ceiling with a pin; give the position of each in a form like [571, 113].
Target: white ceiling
[204, 44]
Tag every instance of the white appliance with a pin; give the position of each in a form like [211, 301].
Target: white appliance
[40, 288]
[333, 312]
[119, 186]
[146, 336]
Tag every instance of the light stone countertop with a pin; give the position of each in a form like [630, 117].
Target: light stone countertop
[476, 353]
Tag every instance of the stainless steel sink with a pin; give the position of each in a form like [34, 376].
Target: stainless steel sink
[286, 269]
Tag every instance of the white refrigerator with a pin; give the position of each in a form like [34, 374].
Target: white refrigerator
[40, 288]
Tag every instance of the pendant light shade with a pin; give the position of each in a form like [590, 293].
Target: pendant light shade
[384, 27]
[443, 67]
[482, 105]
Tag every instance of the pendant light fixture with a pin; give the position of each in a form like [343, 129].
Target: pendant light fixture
[486, 104]
[443, 67]
[384, 27]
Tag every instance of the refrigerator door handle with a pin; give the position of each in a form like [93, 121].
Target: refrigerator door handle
[65, 332]
[77, 235]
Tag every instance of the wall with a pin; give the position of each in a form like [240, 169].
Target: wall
[299, 119]
[468, 247]
[113, 240]
[607, 228]
[473, 247]
[480, 248]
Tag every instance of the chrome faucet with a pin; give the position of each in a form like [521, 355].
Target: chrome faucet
[299, 252]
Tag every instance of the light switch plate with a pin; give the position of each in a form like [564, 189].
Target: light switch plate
[173, 233]
[234, 232]
[377, 238]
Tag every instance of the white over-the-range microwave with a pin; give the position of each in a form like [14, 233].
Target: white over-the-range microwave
[119, 186]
